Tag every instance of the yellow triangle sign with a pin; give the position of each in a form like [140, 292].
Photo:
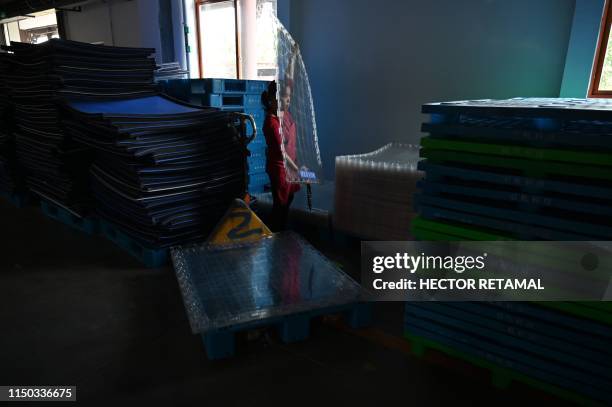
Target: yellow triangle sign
[239, 224]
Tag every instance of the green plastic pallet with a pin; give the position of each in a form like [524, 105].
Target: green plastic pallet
[530, 168]
[426, 235]
[582, 310]
[500, 377]
[424, 229]
[603, 306]
[462, 232]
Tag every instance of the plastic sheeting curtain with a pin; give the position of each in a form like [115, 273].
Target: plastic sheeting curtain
[296, 110]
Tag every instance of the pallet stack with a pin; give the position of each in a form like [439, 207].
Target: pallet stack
[9, 181]
[107, 154]
[234, 95]
[524, 169]
[380, 182]
[45, 76]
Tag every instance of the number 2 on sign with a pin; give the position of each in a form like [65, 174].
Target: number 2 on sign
[242, 230]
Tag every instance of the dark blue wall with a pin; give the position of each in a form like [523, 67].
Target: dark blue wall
[373, 63]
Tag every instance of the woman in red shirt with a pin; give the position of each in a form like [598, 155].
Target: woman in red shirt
[281, 156]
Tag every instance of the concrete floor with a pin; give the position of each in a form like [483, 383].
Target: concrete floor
[76, 310]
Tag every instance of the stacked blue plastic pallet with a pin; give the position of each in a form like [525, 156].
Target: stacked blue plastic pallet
[528, 169]
[529, 340]
[236, 95]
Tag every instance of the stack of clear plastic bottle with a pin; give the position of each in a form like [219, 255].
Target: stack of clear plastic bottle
[373, 196]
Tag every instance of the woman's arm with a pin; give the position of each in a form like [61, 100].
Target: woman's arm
[289, 73]
[289, 161]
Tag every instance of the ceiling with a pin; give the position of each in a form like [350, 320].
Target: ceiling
[12, 8]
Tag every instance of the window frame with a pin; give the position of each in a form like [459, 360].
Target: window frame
[199, 3]
[600, 54]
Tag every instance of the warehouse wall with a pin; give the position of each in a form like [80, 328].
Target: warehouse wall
[148, 24]
[582, 47]
[123, 23]
[373, 63]
[283, 12]
[90, 25]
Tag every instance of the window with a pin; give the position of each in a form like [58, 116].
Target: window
[34, 28]
[218, 39]
[235, 39]
[601, 79]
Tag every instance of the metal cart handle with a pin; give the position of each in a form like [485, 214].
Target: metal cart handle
[242, 117]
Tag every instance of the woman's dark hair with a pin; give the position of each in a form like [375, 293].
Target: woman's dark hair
[268, 96]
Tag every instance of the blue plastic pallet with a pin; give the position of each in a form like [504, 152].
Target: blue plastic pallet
[258, 152]
[257, 87]
[550, 113]
[209, 85]
[522, 231]
[237, 109]
[256, 165]
[195, 91]
[504, 334]
[259, 116]
[579, 339]
[203, 86]
[258, 182]
[225, 100]
[221, 343]
[18, 200]
[149, 256]
[513, 120]
[252, 101]
[557, 318]
[525, 200]
[526, 218]
[532, 137]
[260, 178]
[442, 172]
[507, 356]
[197, 86]
[256, 111]
[257, 189]
[523, 363]
[259, 142]
[87, 225]
[232, 100]
[260, 139]
[178, 88]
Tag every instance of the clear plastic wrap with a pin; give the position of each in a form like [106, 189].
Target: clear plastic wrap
[373, 196]
[296, 110]
[234, 284]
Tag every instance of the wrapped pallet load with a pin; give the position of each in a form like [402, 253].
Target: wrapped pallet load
[373, 197]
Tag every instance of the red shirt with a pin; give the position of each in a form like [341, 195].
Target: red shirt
[290, 136]
[275, 162]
